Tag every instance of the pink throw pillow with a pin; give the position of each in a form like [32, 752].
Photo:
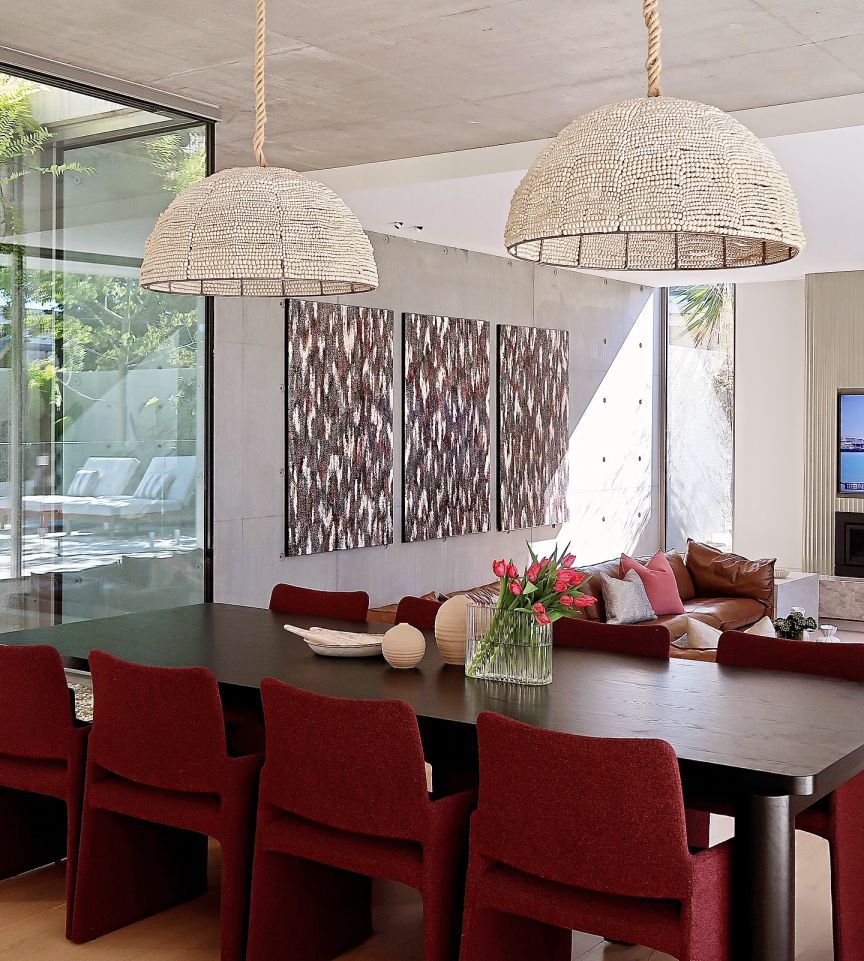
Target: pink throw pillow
[659, 580]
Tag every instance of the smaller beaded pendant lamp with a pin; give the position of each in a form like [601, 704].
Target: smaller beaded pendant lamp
[258, 231]
[655, 183]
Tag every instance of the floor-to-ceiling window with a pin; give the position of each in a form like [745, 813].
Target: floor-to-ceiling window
[700, 393]
[102, 424]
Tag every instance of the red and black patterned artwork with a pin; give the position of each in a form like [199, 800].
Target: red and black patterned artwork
[533, 426]
[446, 430]
[338, 427]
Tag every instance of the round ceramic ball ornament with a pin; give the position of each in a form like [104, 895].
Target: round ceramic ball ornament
[451, 629]
[403, 646]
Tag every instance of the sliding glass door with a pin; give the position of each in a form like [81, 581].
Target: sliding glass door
[102, 425]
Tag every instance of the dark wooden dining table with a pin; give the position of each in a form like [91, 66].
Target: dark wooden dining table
[770, 744]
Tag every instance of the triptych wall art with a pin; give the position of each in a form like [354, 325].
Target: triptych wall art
[339, 427]
[446, 433]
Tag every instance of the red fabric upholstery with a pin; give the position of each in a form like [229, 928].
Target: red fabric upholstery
[243, 718]
[586, 834]
[159, 783]
[839, 818]
[42, 756]
[419, 612]
[343, 605]
[639, 640]
[343, 799]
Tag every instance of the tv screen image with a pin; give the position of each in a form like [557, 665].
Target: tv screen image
[850, 443]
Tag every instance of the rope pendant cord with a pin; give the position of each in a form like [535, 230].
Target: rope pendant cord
[260, 105]
[653, 64]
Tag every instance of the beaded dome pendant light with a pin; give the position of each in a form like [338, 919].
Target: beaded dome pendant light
[655, 183]
[258, 231]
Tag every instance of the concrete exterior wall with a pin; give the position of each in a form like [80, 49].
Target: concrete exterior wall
[614, 337]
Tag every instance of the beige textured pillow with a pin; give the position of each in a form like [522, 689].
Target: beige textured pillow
[704, 637]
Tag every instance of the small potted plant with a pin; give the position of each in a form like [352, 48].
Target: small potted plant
[792, 626]
[512, 641]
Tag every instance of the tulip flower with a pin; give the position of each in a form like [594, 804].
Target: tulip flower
[515, 588]
[538, 608]
[568, 560]
[576, 578]
[543, 619]
[585, 601]
[533, 573]
[566, 600]
[512, 570]
[499, 568]
[560, 586]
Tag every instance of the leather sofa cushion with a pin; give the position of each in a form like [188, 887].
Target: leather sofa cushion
[720, 574]
[686, 587]
[726, 613]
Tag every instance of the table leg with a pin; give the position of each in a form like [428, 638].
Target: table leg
[764, 886]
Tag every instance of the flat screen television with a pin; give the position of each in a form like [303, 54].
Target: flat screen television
[850, 442]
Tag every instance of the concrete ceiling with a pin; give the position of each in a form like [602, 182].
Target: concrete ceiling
[360, 81]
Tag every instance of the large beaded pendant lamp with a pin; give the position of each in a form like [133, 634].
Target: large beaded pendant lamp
[258, 231]
[655, 183]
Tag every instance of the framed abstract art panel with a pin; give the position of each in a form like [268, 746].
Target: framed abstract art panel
[446, 427]
[533, 426]
[338, 427]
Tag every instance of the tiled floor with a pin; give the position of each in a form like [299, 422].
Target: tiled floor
[32, 911]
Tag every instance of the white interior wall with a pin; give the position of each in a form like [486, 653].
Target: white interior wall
[770, 371]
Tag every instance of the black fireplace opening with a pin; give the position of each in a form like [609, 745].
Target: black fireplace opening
[848, 544]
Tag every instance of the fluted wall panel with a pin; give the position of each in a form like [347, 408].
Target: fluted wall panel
[835, 359]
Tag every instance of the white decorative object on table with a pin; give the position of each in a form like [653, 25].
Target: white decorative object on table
[403, 646]
[451, 629]
[338, 643]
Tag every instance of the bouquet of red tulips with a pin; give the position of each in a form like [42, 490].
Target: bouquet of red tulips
[548, 587]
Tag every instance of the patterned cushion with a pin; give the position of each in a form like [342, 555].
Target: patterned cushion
[83, 483]
[625, 599]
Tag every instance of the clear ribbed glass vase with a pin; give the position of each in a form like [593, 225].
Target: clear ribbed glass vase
[508, 646]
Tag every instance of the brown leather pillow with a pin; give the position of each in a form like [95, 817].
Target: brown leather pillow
[686, 587]
[719, 574]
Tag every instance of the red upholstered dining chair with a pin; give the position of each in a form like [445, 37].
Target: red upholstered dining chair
[839, 818]
[159, 783]
[343, 605]
[42, 752]
[647, 641]
[586, 834]
[419, 612]
[243, 718]
[343, 799]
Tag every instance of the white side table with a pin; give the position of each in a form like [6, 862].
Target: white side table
[799, 589]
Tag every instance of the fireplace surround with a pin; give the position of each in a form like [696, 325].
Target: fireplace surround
[848, 544]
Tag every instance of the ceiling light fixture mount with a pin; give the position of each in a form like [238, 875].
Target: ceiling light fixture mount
[655, 183]
[258, 231]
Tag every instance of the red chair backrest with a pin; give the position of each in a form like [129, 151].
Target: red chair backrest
[344, 605]
[350, 764]
[35, 707]
[160, 726]
[648, 641]
[839, 660]
[419, 612]
[602, 814]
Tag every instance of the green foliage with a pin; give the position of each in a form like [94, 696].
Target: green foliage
[22, 138]
[180, 164]
[793, 625]
[702, 308]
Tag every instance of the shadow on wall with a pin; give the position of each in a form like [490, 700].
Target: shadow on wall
[611, 453]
